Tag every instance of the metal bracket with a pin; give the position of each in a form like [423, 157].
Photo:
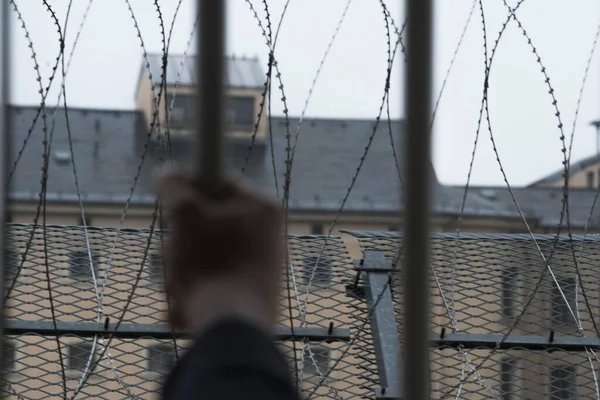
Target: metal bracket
[157, 331]
[374, 264]
[382, 318]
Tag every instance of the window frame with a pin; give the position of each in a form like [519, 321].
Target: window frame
[234, 121]
[13, 346]
[322, 355]
[88, 221]
[510, 291]
[155, 271]
[185, 105]
[570, 378]
[79, 346]
[151, 360]
[508, 386]
[13, 259]
[559, 312]
[72, 266]
[316, 229]
[321, 279]
[590, 179]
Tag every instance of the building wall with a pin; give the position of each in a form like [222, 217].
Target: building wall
[145, 103]
[580, 179]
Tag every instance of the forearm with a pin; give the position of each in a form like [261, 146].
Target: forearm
[232, 360]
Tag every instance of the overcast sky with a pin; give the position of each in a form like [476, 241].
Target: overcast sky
[108, 57]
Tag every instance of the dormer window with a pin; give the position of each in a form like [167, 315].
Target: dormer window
[182, 113]
[240, 113]
[62, 157]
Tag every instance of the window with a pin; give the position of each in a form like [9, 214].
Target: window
[79, 265]
[319, 272]
[560, 310]
[316, 229]
[508, 379]
[62, 157]
[590, 179]
[182, 113]
[10, 351]
[13, 261]
[510, 291]
[240, 112]
[154, 268]
[88, 220]
[78, 355]
[563, 383]
[319, 362]
[161, 358]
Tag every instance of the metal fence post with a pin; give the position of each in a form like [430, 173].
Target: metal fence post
[4, 97]
[417, 189]
[375, 270]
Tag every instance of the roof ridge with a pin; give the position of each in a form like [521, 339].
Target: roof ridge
[335, 119]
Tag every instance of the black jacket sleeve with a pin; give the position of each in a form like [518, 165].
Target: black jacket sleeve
[231, 360]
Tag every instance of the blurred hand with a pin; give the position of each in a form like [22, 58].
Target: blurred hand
[222, 257]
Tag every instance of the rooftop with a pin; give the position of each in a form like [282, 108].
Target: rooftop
[107, 149]
[241, 72]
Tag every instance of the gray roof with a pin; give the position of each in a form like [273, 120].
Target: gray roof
[573, 168]
[544, 204]
[108, 146]
[241, 72]
[103, 146]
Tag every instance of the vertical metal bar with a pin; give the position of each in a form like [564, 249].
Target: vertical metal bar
[4, 149]
[417, 194]
[211, 76]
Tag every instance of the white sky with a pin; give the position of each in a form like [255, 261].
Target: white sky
[107, 60]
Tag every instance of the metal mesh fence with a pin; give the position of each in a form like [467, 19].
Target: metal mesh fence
[512, 316]
[132, 346]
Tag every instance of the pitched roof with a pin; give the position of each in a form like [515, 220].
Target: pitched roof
[103, 147]
[544, 204]
[108, 144]
[240, 72]
[574, 168]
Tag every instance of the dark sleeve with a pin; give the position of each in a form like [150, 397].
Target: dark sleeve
[231, 360]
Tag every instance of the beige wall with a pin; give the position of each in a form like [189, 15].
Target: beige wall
[145, 102]
[579, 179]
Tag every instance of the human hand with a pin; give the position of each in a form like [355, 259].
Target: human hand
[222, 257]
